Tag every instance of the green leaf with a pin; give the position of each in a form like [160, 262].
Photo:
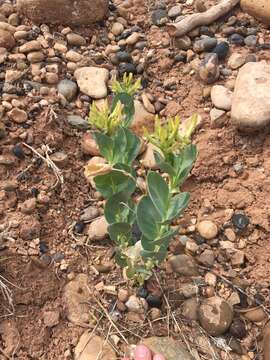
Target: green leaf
[115, 182]
[129, 109]
[177, 204]
[133, 145]
[158, 192]
[119, 146]
[121, 233]
[148, 218]
[184, 163]
[120, 208]
[105, 145]
[157, 257]
[150, 245]
[121, 259]
[163, 165]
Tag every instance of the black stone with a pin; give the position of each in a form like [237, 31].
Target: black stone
[199, 240]
[34, 191]
[18, 152]
[204, 30]
[126, 68]
[79, 227]
[123, 56]
[43, 247]
[125, 34]
[144, 83]
[238, 329]
[38, 161]
[142, 292]
[136, 28]
[237, 39]
[180, 58]
[154, 301]
[240, 221]
[159, 16]
[222, 50]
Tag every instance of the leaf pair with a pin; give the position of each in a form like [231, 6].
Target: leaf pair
[123, 147]
[178, 166]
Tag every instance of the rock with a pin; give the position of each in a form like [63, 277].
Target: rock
[35, 56]
[255, 315]
[240, 221]
[222, 50]
[205, 44]
[190, 309]
[80, 12]
[33, 45]
[98, 229]
[148, 158]
[251, 41]
[127, 68]
[209, 69]
[133, 38]
[60, 159]
[79, 123]
[183, 42]
[92, 347]
[159, 17]
[123, 295]
[238, 258]
[123, 56]
[30, 228]
[73, 56]
[75, 39]
[237, 39]
[155, 314]
[147, 104]
[266, 342]
[207, 258]
[251, 99]
[215, 316]
[221, 97]
[89, 145]
[75, 295]
[92, 81]
[117, 28]
[260, 9]
[51, 78]
[238, 328]
[68, 89]
[175, 11]
[184, 265]
[89, 213]
[236, 61]
[51, 318]
[171, 349]
[207, 229]
[135, 305]
[217, 117]
[210, 279]
[28, 206]
[7, 40]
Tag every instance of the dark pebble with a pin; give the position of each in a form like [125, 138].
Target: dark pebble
[159, 17]
[18, 152]
[46, 259]
[112, 7]
[140, 45]
[136, 28]
[142, 292]
[204, 30]
[34, 191]
[140, 69]
[240, 221]
[154, 301]
[199, 240]
[144, 83]
[238, 329]
[127, 68]
[58, 257]
[125, 34]
[237, 39]
[79, 227]
[180, 58]
[222, 50]
[123, 56]
[43, 247]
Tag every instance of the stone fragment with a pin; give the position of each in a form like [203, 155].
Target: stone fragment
[92, 81]
[93, 347]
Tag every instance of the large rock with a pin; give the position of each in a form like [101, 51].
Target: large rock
[215, 316]
[171, 349]
[6, 39]
[257, 8]
[80, 12]
[251, 99]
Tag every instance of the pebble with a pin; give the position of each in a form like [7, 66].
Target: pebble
[240, 221]
[155, 314]
[171, 349]
[147, 104]
[89, 213]
[123, 295]
[207, 229]
[123, 56]
[221, 97]
[33, 45]
[60, 159]
[92, 347]
[68, 89]
[237, 39]
[73, 56]
[30, 228]
[210, 279]
[183, 42]
[215, 316]
[175, 11]
[205, 44]
[75, 39]
[135, 305]
[89, 145]
[6, 39]
[127, 68]
[92, 81]
[117, 28]
[207, 258]
[18, 116]
[209, 69]
[251, 41]
[79, 123]
[154, 301]
[238, 329]
[236, 61]
[184, 265]
[190, 309]
[159, 17]
[98, 229]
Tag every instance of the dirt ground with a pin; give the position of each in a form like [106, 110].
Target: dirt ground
[230, 175]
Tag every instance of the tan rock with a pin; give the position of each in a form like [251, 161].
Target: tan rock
[17, 115]
[6, 39]
[207, 229]
[260, 9]
[142, 119]
[168, 347]
[80, 12]
[92, 81]
[98, 229]
[92, 347]
[89, 145]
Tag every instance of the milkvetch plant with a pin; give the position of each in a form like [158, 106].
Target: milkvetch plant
[141, 231]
